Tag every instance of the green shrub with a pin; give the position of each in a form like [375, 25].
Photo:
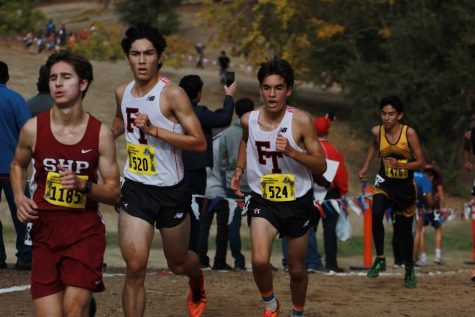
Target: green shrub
[102, 44]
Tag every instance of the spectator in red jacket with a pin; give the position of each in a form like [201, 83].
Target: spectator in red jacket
[336, 185]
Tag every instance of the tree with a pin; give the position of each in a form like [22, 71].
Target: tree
[19, 17]
[158, 13]
[421, 50]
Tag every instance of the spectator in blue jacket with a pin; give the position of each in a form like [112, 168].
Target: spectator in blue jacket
[13, 115]
[196, 163]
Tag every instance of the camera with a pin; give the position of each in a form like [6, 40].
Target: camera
[230, 77]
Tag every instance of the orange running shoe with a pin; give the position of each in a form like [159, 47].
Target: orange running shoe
[196, 302]
[473, 275]
[272, 313]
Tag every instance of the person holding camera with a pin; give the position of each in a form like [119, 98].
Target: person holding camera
[224, 62]
[196, 163]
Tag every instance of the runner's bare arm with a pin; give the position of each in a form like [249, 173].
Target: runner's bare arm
[26, 207]
[109, 191]
[415, 144]
[174, 97]
[241, 159]
[314, 159]
[118, 127]
[373, 148]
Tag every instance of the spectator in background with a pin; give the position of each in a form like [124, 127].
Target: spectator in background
[62, 36]
[83, 34]
[50, 28]
[216, 204]
[425, 206]
[334, 187]
[196, 163]
[228, 149]
[223, 61]
[200, 49]
[468, 150]
[13, 115]
[43, 100]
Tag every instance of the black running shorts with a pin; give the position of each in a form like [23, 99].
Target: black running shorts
[290, 218]
[161, 206]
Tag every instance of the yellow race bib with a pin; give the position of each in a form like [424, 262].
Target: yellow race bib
[141, 159]
[57, 195]
[278, 187]
[400, 173]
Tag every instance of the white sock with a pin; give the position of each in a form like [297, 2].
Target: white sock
[271, 304]
[438, 253]
[423, 256]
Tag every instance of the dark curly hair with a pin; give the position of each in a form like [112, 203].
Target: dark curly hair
[144, 31]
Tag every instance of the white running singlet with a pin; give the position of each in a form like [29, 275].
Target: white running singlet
[263, 159]
[150, 160]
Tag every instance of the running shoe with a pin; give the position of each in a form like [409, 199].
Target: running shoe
[438, 261]
[378, 266]
[473, 275]
[273, 313]
[196, 302]
[420, 263]
[410, 280]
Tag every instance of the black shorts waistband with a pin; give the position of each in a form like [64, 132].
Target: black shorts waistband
[139, 184]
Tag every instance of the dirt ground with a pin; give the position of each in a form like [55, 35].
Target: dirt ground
[442, 290]
[233, 294]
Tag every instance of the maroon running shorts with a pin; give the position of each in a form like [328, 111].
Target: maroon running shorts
[68, 250]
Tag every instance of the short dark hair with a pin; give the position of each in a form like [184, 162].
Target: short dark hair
[81, 65]
[43, 80]
[144, 31]
[394, 101]
[192, 84]
[276, 67]
[4, 76]
[431, 172]
[243, 105]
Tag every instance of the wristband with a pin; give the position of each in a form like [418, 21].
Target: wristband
[87, 187]
[237, 166]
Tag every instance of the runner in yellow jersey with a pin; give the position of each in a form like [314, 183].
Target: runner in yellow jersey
[399, 149]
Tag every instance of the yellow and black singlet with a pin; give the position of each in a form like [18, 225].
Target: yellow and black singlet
[400, 151]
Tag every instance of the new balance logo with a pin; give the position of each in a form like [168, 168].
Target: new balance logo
[378, 180]
[179, 215]
[151, 98]
[83, 151]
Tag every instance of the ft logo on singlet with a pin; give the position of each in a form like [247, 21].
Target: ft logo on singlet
[273, 155]
[129, 121]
